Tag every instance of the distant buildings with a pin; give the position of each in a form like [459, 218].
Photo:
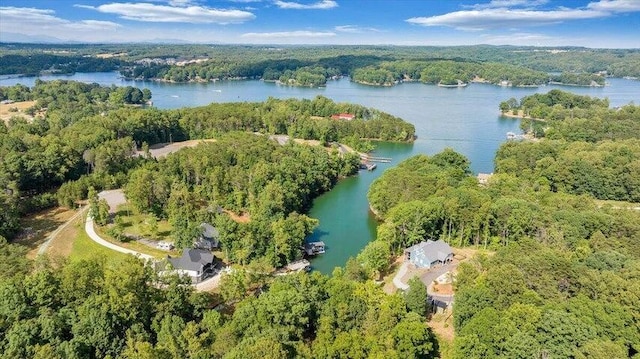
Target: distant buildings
[429, 254]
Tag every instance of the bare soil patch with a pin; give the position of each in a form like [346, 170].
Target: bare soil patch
[163, 149]
[442, 326]
[62, 244]
[8, 110]
[242, 218]
[442, 289]
[37, 227]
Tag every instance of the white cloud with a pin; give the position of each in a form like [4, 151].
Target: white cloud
[320, 5]
[355, 29]
[162, 13]
[500, 17]
[510, 13]
[32, 21]
[288, 34]
[508, 4]
[615, 5]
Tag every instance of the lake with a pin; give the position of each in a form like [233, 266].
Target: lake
[465, 119]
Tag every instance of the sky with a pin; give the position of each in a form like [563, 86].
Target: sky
[588, 23]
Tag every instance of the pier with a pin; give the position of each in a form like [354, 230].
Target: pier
[368, 158]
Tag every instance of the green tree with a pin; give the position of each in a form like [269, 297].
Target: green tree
[416, 297]
[375, 258]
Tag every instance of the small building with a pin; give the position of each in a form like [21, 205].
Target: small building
[209, 238]
[343, 116]
[198, 264]
[429, 254]
[165, 246]
[314, 248]
[483, 178]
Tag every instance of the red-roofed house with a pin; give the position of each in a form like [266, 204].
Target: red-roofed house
[343, 116]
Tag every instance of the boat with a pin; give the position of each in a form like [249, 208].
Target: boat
[314, 248]
[513, 136]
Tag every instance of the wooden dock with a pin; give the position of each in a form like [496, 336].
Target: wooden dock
[368, 158]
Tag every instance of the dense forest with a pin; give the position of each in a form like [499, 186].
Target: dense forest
[454, 73]
[100, 309]
[562, 281]
[588, 147]
[88, 129]
[36, 64]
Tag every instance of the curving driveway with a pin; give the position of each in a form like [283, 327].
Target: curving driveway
[115, 198]
[88, 227]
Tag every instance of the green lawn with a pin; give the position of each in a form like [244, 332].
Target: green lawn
[138, 224]
[85, 248]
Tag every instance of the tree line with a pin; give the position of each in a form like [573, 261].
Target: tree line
[548, 290]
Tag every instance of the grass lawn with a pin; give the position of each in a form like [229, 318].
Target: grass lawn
[138, 224]
[84, 248]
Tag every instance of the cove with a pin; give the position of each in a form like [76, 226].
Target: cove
[465, 119]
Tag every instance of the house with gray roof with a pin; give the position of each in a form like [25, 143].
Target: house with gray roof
[198, 264]
[209, 237]
[429, 254]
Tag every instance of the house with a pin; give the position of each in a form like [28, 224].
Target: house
[198, 264]
[429, 254]
[209, 238]
[343, 116]
[314, 248]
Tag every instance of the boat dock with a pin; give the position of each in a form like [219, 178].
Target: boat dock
[368, 158]
[301, 265]
[368, 166]
[314, 248]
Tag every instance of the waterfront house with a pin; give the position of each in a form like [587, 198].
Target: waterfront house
[429, 254]
[209, 238]
[198, 264]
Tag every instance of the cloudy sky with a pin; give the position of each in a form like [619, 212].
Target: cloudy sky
[595, 23]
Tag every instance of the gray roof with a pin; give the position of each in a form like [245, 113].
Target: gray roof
[192, 259]
[431, 250]
[209, 231]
